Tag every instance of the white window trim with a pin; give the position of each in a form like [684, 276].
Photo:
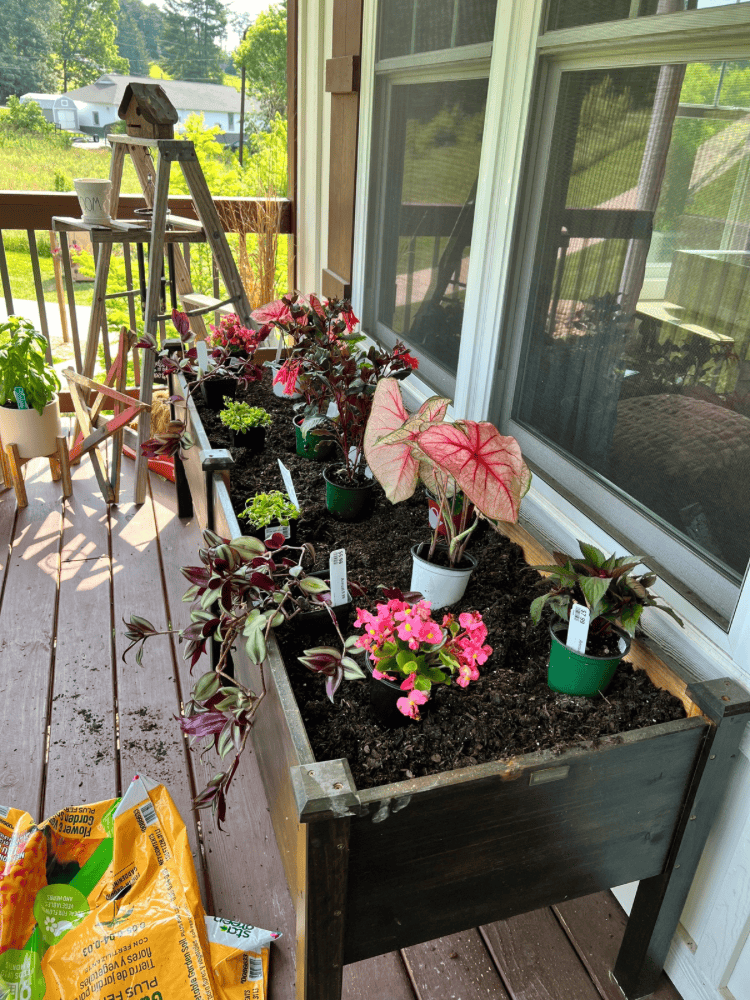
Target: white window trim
[711, 651]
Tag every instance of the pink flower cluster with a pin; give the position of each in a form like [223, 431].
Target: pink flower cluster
[232, 335]
[454, 647]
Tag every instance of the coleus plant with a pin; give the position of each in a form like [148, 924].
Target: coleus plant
[403, 449]
[222, 364]
[242, 589]
[607, 585]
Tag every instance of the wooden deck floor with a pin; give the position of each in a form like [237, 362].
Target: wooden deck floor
[77, 723]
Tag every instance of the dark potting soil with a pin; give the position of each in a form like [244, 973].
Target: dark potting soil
[509, 711]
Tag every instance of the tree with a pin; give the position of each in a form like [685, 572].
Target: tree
[84, 42]
[25, 41]
[189, 43]
[131, 41]
[263, 55]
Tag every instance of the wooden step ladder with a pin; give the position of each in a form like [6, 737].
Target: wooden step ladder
[150, 120]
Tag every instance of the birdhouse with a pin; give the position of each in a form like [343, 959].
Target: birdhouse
[148, 111]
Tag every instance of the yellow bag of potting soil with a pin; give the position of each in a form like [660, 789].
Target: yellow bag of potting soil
[101, 902]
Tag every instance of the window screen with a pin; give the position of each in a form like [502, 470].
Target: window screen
[636, 360]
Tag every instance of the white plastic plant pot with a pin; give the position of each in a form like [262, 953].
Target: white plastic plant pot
[440, 585]
[33, 434]
[93, 197]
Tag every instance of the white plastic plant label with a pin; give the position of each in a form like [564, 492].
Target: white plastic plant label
[578, 628]
[202, 350]
[337, 572]
[277, 529]
[288, 484]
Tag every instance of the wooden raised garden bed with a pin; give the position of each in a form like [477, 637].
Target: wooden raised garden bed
[382, 868]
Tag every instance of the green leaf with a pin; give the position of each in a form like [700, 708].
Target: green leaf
[594, 588]
[313, 585]
[535, 611]
[206, 686]
[630, 616]
[422, 683]
[593, 556]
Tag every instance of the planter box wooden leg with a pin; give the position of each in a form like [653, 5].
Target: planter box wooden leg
[660, 900]
[324, 794]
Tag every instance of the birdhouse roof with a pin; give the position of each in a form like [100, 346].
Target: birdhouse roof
[153, 104]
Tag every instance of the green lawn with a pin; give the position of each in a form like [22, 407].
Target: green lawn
[36, 165]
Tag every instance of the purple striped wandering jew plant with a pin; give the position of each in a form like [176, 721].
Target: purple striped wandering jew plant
[242, 589]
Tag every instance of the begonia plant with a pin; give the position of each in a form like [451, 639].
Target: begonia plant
[406, 645]
[403, 449]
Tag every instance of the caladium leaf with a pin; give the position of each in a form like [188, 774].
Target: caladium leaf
[486, 465]
[388, 453]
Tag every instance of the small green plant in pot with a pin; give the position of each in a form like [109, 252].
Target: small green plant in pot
[274, 510]
[29, 407]
[604, 599]
[247, 423]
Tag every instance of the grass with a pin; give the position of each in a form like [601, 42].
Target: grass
[33, 164]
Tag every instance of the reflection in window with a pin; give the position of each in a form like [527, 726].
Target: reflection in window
[637, 348]
[411, 26]
[431, 166]
[577, 13]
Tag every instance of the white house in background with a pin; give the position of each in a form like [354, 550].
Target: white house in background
[45, 101]
[95, 106]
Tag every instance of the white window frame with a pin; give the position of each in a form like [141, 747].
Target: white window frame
[490, 342]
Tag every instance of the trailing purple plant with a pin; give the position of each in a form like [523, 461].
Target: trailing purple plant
[241, 590]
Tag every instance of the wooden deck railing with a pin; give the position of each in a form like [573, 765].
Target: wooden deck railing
[32, 212]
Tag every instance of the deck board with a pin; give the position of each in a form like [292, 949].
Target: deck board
[566, 951]
[455, 966]
[82, 751]
[26, 640]
[535, 959]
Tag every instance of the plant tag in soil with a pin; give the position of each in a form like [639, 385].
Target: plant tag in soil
[288, 484]
[280, 346]
[202, 350]
[20, 398]
[337, 571]
[578, 628]
[278, 529]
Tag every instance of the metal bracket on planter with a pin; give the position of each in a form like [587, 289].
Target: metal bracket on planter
[325, 789]
[213, 460]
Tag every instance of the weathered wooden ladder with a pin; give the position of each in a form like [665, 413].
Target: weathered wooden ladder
[150, 118]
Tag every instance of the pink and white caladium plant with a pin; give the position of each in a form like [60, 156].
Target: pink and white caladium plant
[403, 449]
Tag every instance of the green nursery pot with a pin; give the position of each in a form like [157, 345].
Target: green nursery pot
[348, 503]
[314, 447]
[575, 673]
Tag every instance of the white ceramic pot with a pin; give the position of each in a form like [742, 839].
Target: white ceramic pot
[93, 197]
[33, 434]
[440, 585]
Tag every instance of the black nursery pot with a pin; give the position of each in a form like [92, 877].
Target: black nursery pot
[254, 439]
[320, 616]
[288, 530]
[215, 389]
[383, 697]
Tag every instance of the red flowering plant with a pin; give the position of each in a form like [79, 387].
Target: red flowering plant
[306, 325]
[466, 457]
[222, 364]
[348, 379]
[232, 336]
[406, 645]
[242, 589]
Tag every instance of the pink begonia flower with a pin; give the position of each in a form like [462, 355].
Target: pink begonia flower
[466, 674]
[408, 684]
[410, 706]
[382, 677]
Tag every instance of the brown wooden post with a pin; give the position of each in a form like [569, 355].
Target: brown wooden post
[326, 799]
[342, 82]
[660, 899]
